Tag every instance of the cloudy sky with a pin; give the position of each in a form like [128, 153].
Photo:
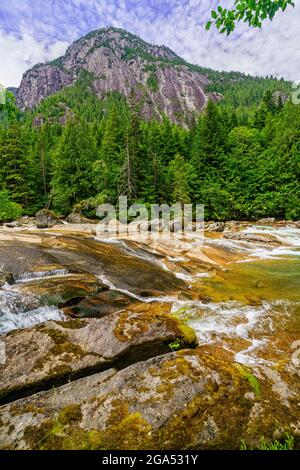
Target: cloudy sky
[33, 31]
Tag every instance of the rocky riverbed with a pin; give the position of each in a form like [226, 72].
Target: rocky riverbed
[147, 342]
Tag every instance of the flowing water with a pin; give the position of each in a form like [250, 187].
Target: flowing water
[241, 296]
[253, 309]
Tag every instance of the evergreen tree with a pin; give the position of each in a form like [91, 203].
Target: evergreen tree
[209, 142]
[76, 154]
[14, 164]
[181, 174]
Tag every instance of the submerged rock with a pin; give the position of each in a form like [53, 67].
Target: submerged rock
[54, 352]
[62, 291]
[184, 400]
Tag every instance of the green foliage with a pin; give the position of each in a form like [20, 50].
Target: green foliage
[8, 110]
[14, 164]
[73, 164]
[88, 207]
[287, 443]
[247, 374]
[182, 175]
[249, 11]
[152, 82]
[9, 210]
[176, 345]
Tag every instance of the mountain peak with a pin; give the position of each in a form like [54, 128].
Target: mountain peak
[158, 79]
[119, 39]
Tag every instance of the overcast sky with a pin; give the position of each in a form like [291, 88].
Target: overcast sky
[33, 31]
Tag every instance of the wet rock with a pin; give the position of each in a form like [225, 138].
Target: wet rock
[115, 267]
[26, 220]
[63, 291]
[98, 306]
[253, 237]
[76, 218]
[267, 221]
[24, 258]
[216, 227]
[12, 225]
[6, 278]
[158, 226]
[114, 264]
[46, 219]
[233, 226]
[296, 223]
[53, 353]
[184, 400]
[176, 226]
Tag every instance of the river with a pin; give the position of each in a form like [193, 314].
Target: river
[241, 296]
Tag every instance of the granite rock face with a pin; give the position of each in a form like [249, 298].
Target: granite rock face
[119, 61]
[39, 82]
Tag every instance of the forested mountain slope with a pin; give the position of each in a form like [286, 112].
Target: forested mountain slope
[88, 143]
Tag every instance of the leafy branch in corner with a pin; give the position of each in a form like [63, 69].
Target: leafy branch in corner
[252, 12]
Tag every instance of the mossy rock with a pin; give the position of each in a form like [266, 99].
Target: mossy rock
[183, 400]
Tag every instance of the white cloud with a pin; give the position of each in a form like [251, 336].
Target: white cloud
[19, 54]
[274, 50]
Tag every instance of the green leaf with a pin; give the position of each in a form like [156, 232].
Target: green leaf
[208, 25]
[214, 14]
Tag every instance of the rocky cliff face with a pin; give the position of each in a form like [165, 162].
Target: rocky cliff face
[153, 76]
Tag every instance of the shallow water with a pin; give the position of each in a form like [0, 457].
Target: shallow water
[18, 311]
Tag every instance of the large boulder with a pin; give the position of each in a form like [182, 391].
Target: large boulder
[56, 352]
[184, 400]
[46, 219]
